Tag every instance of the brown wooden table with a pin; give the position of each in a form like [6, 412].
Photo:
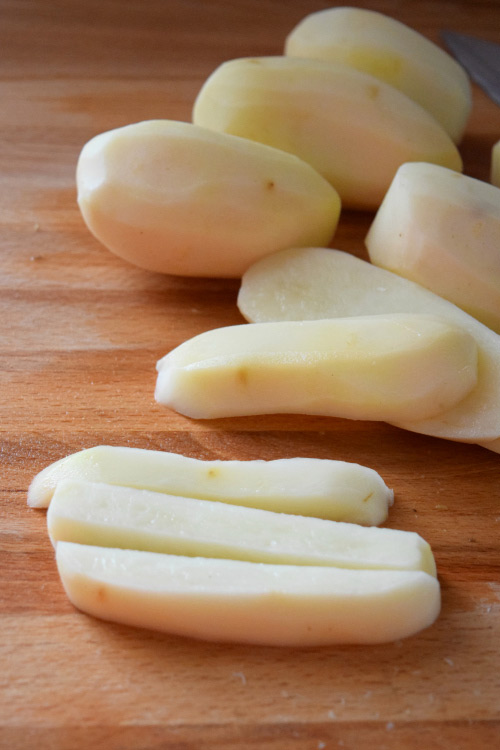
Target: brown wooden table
[81, 332]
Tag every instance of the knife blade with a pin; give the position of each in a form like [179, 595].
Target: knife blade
[479, 57]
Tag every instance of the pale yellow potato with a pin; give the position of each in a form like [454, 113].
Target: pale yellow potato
[495, 165]
[336, 490]
[388, 367]
[391, 51]
[315, 283]
[246, 602]
[442, 230]
[175, 198]
[108, 516]
[351, 127]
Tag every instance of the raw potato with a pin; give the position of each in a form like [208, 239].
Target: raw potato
[442, 230]
[389, 367]
[351, 127]
[108, 516]
[315, 283]
[495, 165]
[179, 199]
[245, 602]
[336, 490]
[394, 53]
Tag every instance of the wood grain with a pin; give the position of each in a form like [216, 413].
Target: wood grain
[81, 333]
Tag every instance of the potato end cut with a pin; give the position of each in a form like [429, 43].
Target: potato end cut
[442, 230]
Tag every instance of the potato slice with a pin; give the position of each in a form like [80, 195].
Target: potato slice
[245, 602]
[337, 490]
[315, 283]
[179, 199]
[108, 516]
[495, 165]
[354, 129]
[442, 230]
[375, 367]
[387, 49]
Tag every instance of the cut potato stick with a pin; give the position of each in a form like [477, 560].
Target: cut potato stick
[391, 51]
[386, 367]
[245, 602]
[354, 129]
[336, 490]
[442, 230]
[316, 283]
[108, 516]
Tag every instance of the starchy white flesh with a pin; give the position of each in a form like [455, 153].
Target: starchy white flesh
[245, 602]
[315, 283]
[387, 49]
[179, 199]
[351, 127]
[495, 165]
[108, 516]
[376, 367]
[336, 490]
[442, 230]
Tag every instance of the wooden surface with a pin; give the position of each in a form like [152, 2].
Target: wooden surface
[81, 333]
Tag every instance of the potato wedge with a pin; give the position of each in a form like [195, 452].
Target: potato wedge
[316, 283]
[108, 516]
[391, 51]
[442, 230]
[175, 198]
[390, 367]
[245, 602]
[354, 129]
[336, 490]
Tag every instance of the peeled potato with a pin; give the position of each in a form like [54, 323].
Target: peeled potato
[389, 367]
[179, 199]
[336, 490]
[315, 283]
[110, 516]
[391, 51]
[354, 129]
[442, 230]
[246, 602]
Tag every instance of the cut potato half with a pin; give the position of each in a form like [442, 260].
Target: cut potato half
[391, 51]
[108, 516]
[175, 198]
[336, 490]
[442, 230]
[386, 367]
[245, 602]
[352, 128]
[316, 283]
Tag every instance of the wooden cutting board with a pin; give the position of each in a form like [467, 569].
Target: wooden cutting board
[81, 333]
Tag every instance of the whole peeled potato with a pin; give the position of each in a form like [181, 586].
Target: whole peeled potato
[179, 199]
[353, 128]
